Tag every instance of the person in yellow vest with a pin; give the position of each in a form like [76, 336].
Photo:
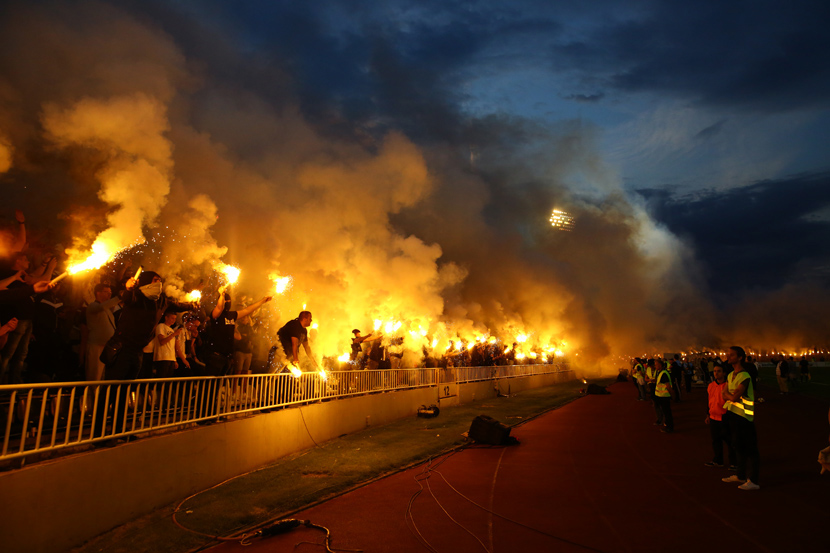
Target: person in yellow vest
[638, 375]
[663, 394]
[739, 398]
[650, 375]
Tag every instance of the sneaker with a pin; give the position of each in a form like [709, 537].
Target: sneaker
[749, 485]
[712, 464]
[733, 478]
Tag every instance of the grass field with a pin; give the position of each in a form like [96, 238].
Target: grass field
[818, 386]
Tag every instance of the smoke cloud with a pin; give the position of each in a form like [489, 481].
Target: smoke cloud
[145, 136]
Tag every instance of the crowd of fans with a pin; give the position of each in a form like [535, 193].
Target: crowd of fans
[65, 331]
[117, 323]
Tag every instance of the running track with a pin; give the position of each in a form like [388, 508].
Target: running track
[594, 475]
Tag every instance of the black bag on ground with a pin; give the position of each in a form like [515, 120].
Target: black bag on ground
[487, 430]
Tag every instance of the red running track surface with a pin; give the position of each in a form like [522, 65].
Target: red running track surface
[594, 475]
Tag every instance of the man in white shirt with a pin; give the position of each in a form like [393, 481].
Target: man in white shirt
[164, 353]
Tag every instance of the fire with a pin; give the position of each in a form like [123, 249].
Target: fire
[295, 370]
[323, 375]
[281, 284]
[343, 358]
[101, 253]
[195, 295]
[390, 327]
[520, 355]
[434, 342]
[231, 273]
[314, 326]
[378, 322]
[521, 338]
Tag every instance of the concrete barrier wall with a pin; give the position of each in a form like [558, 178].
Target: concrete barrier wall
[55, 505]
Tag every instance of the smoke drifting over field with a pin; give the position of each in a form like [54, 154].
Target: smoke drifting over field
[106, 122]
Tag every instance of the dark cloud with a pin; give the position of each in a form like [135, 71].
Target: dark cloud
[712, 130]
[757, 237]
[770, 56]
[585, 98]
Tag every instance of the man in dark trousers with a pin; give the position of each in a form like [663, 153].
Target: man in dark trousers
[294, 333]
[144, 305]
[739, 398]
[676, 376]
[222, 331]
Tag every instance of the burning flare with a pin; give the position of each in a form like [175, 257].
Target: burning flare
[231, 273]
[101, 253]
[282, 284]
[295, 370]
[195, 295]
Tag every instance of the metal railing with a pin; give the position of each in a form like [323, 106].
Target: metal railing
[38, 418]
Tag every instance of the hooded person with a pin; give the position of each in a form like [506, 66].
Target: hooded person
[144, 305]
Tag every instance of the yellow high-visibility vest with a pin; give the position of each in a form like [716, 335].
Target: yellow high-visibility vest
[638, 370]
[746, 406]
[662, 388]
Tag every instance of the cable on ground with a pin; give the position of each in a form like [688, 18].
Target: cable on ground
[426, 473]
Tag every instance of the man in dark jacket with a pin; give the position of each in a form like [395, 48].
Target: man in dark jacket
[144, 305]
[676, 375]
